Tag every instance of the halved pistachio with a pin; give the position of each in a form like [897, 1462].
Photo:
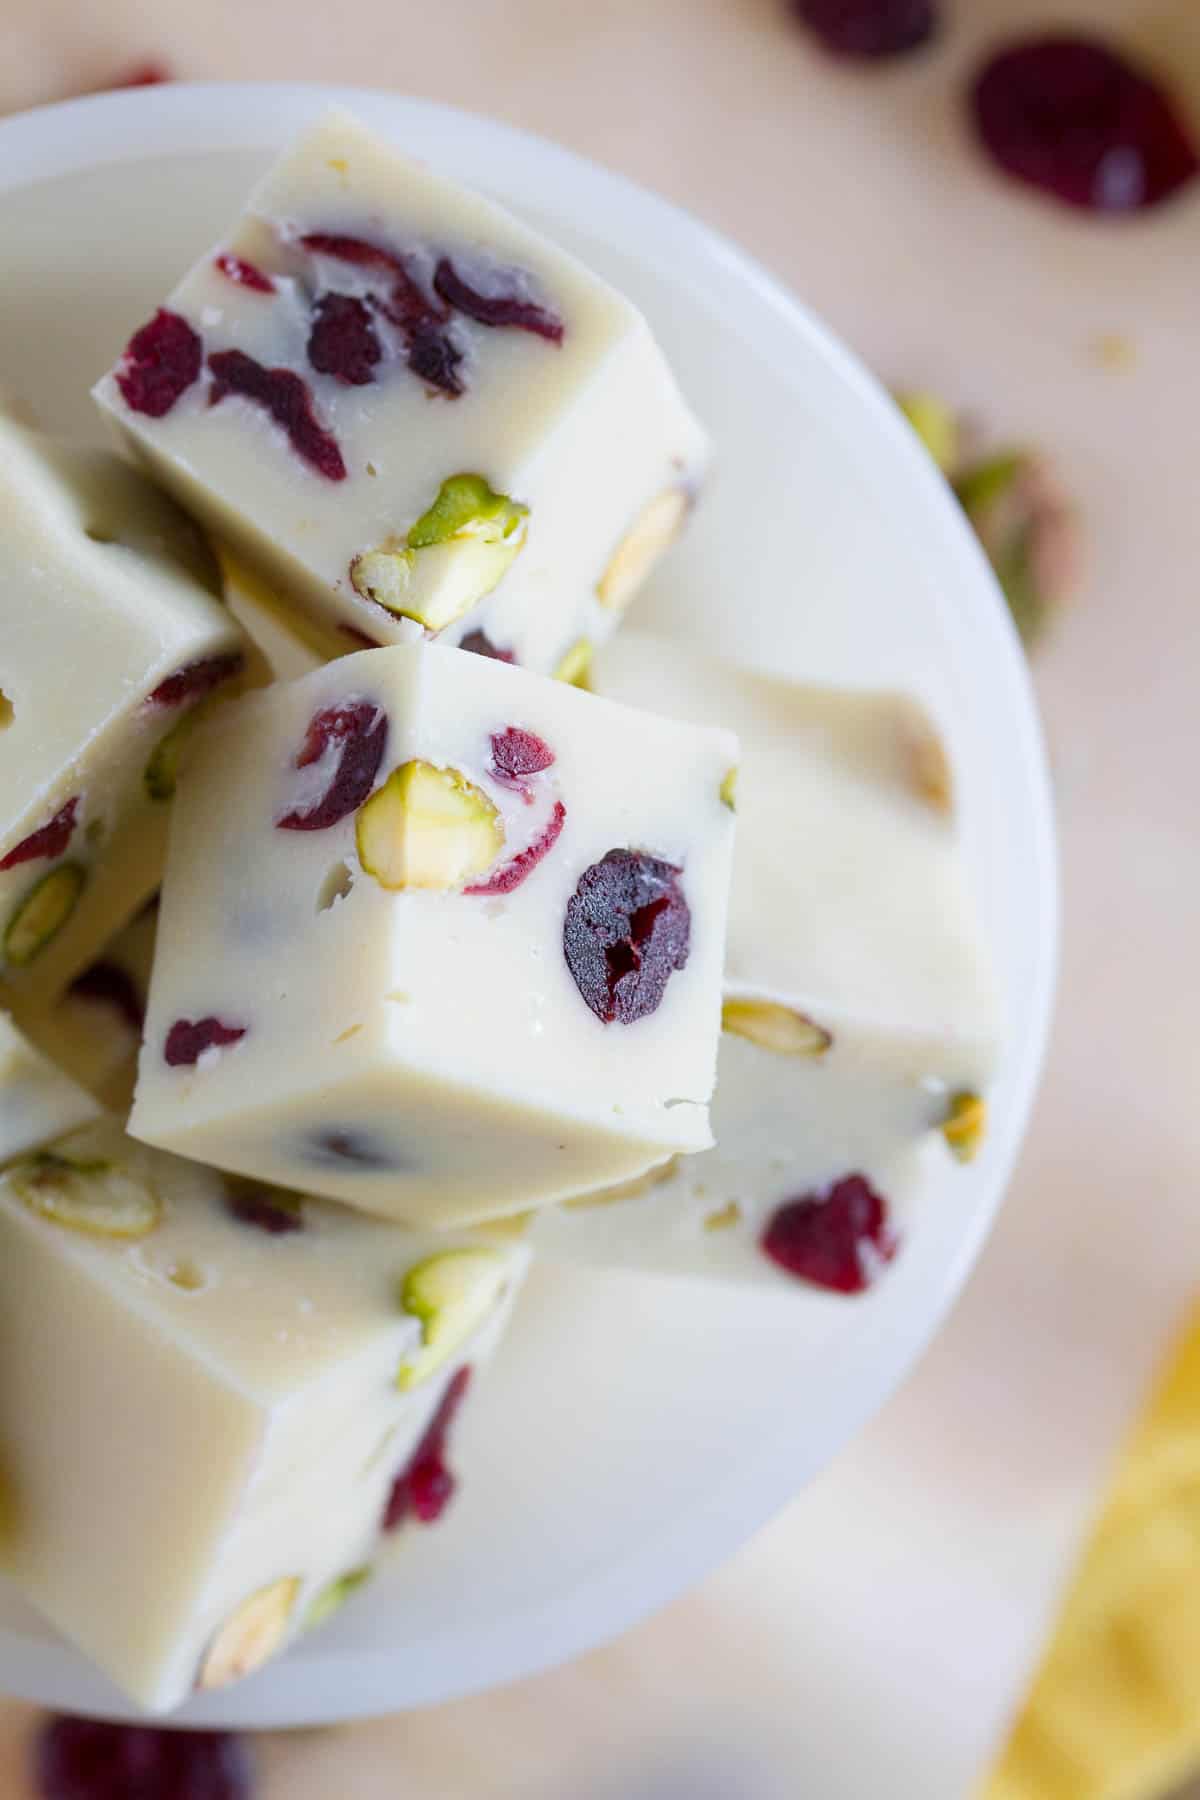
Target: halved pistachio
[575, 667]
[651, 534]
[161, 774]
[42, 912]
[625, 1190]
[449, 559]
[427, 827]
[773, 1026]
[965, 1124]
[728, 789]
[334, 1596]
[251, 1636]
[451, 1294]
[725, 1218]
[1029, 530]
[89, 1195]
[936, 426]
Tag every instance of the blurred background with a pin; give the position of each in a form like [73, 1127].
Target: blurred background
[883, 1635]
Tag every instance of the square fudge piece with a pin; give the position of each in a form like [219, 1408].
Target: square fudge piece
[859, 1016]
[110, 633]
[439, 938]
[414, 413]
[215, 1400]
[37, 1101]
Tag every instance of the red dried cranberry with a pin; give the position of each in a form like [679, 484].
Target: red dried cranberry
[285, 396]
[839, 1239]
[479, 644]
[188, 1039]
[510, 309]
[196, 679]
[512, 873]
[1082, 123]
[145, 74]
[342, 341]
[434, 356]
[424, 1487]
[358, 730]
[244, 274]
[627, 930]
[160, 363]
[356, 251]
[253, 1203]
[86, 1759]
[869, 30]
[49, 840]
[517, 754]
[111, 985]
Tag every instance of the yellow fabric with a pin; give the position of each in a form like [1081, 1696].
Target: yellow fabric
[1114, 1710]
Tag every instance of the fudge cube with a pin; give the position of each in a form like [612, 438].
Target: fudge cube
[439, 938]
[859, 1015]
[110, 633]
[416, 415]
[37, 1101]
[216, 1399]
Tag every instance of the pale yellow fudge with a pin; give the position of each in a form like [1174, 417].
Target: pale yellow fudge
[860, 1015]
[37, 1101]
[215, 1401]
[110, 634]
[439, 938]
[416, 415]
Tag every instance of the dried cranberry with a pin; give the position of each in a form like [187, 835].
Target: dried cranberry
[358, 730]
[343, 342]
[285, 396]
[196, 679]
[839, 1239]
[87, 1759]
[517, 754]
[111, 985]
[627, 930]
[495, 309]
[244, 274]
[145, 74]
[188, 1039]
[512, 873]
[160, 363]
[479, 644]
[49, 840]
[435, 357]
[424, 1487]
[333, 1149]
[1076, 119]
[869, 30]
[267, 1208]
[356, 251]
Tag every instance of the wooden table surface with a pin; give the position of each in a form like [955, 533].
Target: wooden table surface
[861, 191]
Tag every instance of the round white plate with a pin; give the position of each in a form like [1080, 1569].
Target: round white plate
[632, 1433]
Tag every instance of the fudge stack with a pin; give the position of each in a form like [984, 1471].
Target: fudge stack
[450, 930]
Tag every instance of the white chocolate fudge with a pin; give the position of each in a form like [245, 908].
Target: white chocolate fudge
[860, 1016]
[439, 938]
[415, 414]
[93, 1031]
[215, 1400]
[37, 1101]
[109, 636]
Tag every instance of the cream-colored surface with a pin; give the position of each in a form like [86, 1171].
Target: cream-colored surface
[103, 597]
[89, 1036]
[37, 1100]
[354, 1007]
[940, 1540]
[584, 433]
[259, 1423]
[849, 907]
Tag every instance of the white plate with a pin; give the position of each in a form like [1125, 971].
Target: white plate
[632, 1433]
